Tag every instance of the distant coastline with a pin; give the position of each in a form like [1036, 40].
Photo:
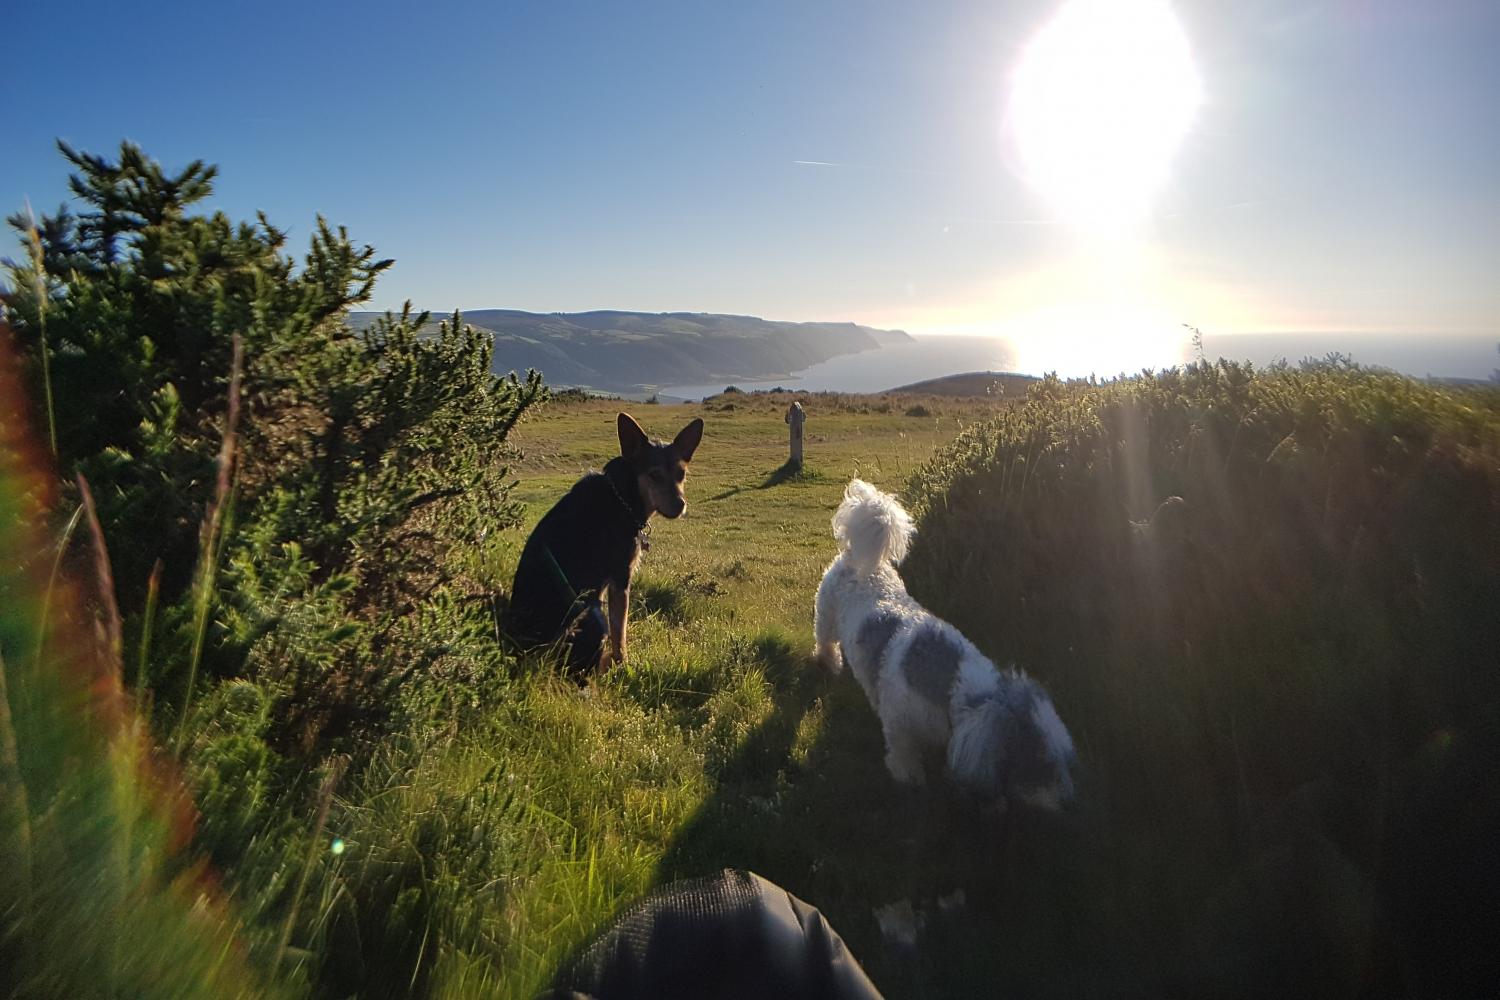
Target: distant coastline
[635, 352]
[916, 359]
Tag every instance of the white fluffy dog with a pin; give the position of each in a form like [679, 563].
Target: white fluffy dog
[930, 686]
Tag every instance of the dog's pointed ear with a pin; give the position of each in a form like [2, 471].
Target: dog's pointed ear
[632, 438]
[686, 441]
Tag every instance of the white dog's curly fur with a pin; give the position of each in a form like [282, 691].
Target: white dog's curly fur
[928, 684]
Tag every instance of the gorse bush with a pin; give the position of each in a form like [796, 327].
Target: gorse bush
[291, 506]
[1265, 603]
[363, 460]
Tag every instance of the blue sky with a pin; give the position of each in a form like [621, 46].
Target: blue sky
[1341, 172]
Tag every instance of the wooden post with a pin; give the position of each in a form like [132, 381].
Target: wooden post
[795, 418]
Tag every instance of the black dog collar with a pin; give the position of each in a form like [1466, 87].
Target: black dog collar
[642, 529]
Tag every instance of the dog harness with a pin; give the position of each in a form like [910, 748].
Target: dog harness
[557, 571]
[642, 535]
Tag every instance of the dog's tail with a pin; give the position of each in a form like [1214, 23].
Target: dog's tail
[872, 526]
[976, 747]
[1012, 742]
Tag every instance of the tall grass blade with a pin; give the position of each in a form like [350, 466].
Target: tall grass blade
[39, 279]
[104, 579]
[124, 753]
[211, 534]
[62, 548]
[335, 771]
[148, 623]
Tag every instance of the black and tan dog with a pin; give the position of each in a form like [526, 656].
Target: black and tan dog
[590, 542]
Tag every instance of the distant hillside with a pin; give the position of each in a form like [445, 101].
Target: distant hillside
[973, 384]
[627, 351]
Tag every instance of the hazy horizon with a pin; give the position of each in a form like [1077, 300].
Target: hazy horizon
[934, 356]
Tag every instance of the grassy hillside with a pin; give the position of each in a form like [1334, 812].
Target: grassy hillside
[468, 850]
[1282, 775]
[632, 351]
[1283, 688]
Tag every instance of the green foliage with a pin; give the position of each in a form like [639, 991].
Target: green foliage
[314, 549]
[367, 457]
[234, 771]
[1264, 602]
[141, 302]
[96, 899]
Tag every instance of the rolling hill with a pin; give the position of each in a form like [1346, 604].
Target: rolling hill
[631, 351]
[997, 384]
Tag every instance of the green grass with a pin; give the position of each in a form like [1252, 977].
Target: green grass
[758, 538]
[479, 851]
[1278, 700]
[719, 743]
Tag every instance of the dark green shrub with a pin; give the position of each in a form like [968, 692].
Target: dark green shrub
[1283, 684]
[365, 457]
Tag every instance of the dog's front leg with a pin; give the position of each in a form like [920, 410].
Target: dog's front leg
[619, 605]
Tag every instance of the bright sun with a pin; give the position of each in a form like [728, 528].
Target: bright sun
[1099, 104]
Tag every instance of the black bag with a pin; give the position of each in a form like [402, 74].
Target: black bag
[725, 937]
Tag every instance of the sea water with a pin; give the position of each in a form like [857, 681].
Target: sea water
[927, 357]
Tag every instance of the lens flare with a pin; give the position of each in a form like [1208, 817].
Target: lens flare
[1099, 104]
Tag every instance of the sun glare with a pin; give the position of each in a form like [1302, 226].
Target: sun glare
[1099, 104]
[1096, 339]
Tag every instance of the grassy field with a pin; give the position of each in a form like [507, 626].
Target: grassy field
[756, 538]
[720, 744]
